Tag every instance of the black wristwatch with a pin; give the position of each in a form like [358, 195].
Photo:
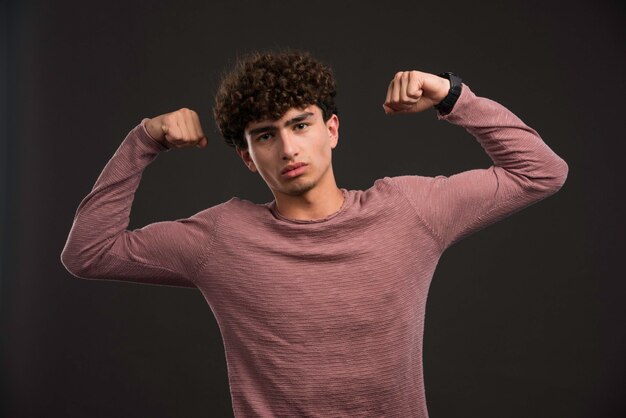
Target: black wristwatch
[445, 106]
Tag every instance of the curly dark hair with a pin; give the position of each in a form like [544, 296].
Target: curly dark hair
[266, 85]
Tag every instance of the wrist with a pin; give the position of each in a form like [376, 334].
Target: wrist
[443, 92]
[447, 103]
[153, 128]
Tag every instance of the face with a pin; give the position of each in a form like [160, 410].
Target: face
[293, 154]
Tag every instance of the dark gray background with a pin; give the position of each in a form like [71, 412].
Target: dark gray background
[525, 319]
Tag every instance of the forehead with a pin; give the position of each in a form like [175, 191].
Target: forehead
[287, 116]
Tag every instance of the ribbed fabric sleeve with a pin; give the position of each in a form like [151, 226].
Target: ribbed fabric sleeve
[100, 247]
[320, 318]
[524, 171]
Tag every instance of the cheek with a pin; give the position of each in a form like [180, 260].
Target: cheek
[262, 163]
[326, 151]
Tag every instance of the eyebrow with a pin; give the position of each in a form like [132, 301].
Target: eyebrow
[290, 122]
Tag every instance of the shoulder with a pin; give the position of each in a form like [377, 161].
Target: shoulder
[393, 192]
[404, 184]
[235, 212]
[233, 207]
[414, 190]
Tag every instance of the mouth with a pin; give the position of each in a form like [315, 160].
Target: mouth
[293, 170]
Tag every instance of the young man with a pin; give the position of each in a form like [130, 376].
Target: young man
[320, 295]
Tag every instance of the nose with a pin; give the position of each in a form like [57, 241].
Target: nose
[289, 144]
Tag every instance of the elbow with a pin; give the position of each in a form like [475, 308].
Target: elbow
[69, 261]
[550, 178]
[75, 261]
[559, 170]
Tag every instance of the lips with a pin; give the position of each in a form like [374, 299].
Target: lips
[293, 170]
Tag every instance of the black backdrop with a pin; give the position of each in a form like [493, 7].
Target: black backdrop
[525, 319]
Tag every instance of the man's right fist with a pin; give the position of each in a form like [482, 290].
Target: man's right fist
[179, 129]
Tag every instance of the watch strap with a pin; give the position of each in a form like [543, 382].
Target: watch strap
[445, 106]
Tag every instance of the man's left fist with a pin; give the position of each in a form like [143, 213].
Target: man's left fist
[414, 91]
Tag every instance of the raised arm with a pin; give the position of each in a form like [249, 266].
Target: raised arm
[100, 247]
[525, 170]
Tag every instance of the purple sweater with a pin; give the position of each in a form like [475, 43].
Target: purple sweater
[320, 318]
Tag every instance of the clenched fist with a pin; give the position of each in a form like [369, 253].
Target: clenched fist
[414, 91]
[179, 129]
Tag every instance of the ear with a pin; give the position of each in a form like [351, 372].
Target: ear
[247, 160]
[332, 124]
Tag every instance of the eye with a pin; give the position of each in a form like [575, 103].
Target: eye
[264, 137]
[301, 125]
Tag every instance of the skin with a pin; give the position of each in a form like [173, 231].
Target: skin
[293, 154]
[277, 149]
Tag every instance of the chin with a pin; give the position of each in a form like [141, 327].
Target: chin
[298, 189]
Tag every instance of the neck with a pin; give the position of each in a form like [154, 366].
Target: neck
[314, 204]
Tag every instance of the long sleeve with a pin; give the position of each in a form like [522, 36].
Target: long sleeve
[100, 247]
[525, 170]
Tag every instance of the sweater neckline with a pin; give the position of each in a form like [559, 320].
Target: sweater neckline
[277, 214]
